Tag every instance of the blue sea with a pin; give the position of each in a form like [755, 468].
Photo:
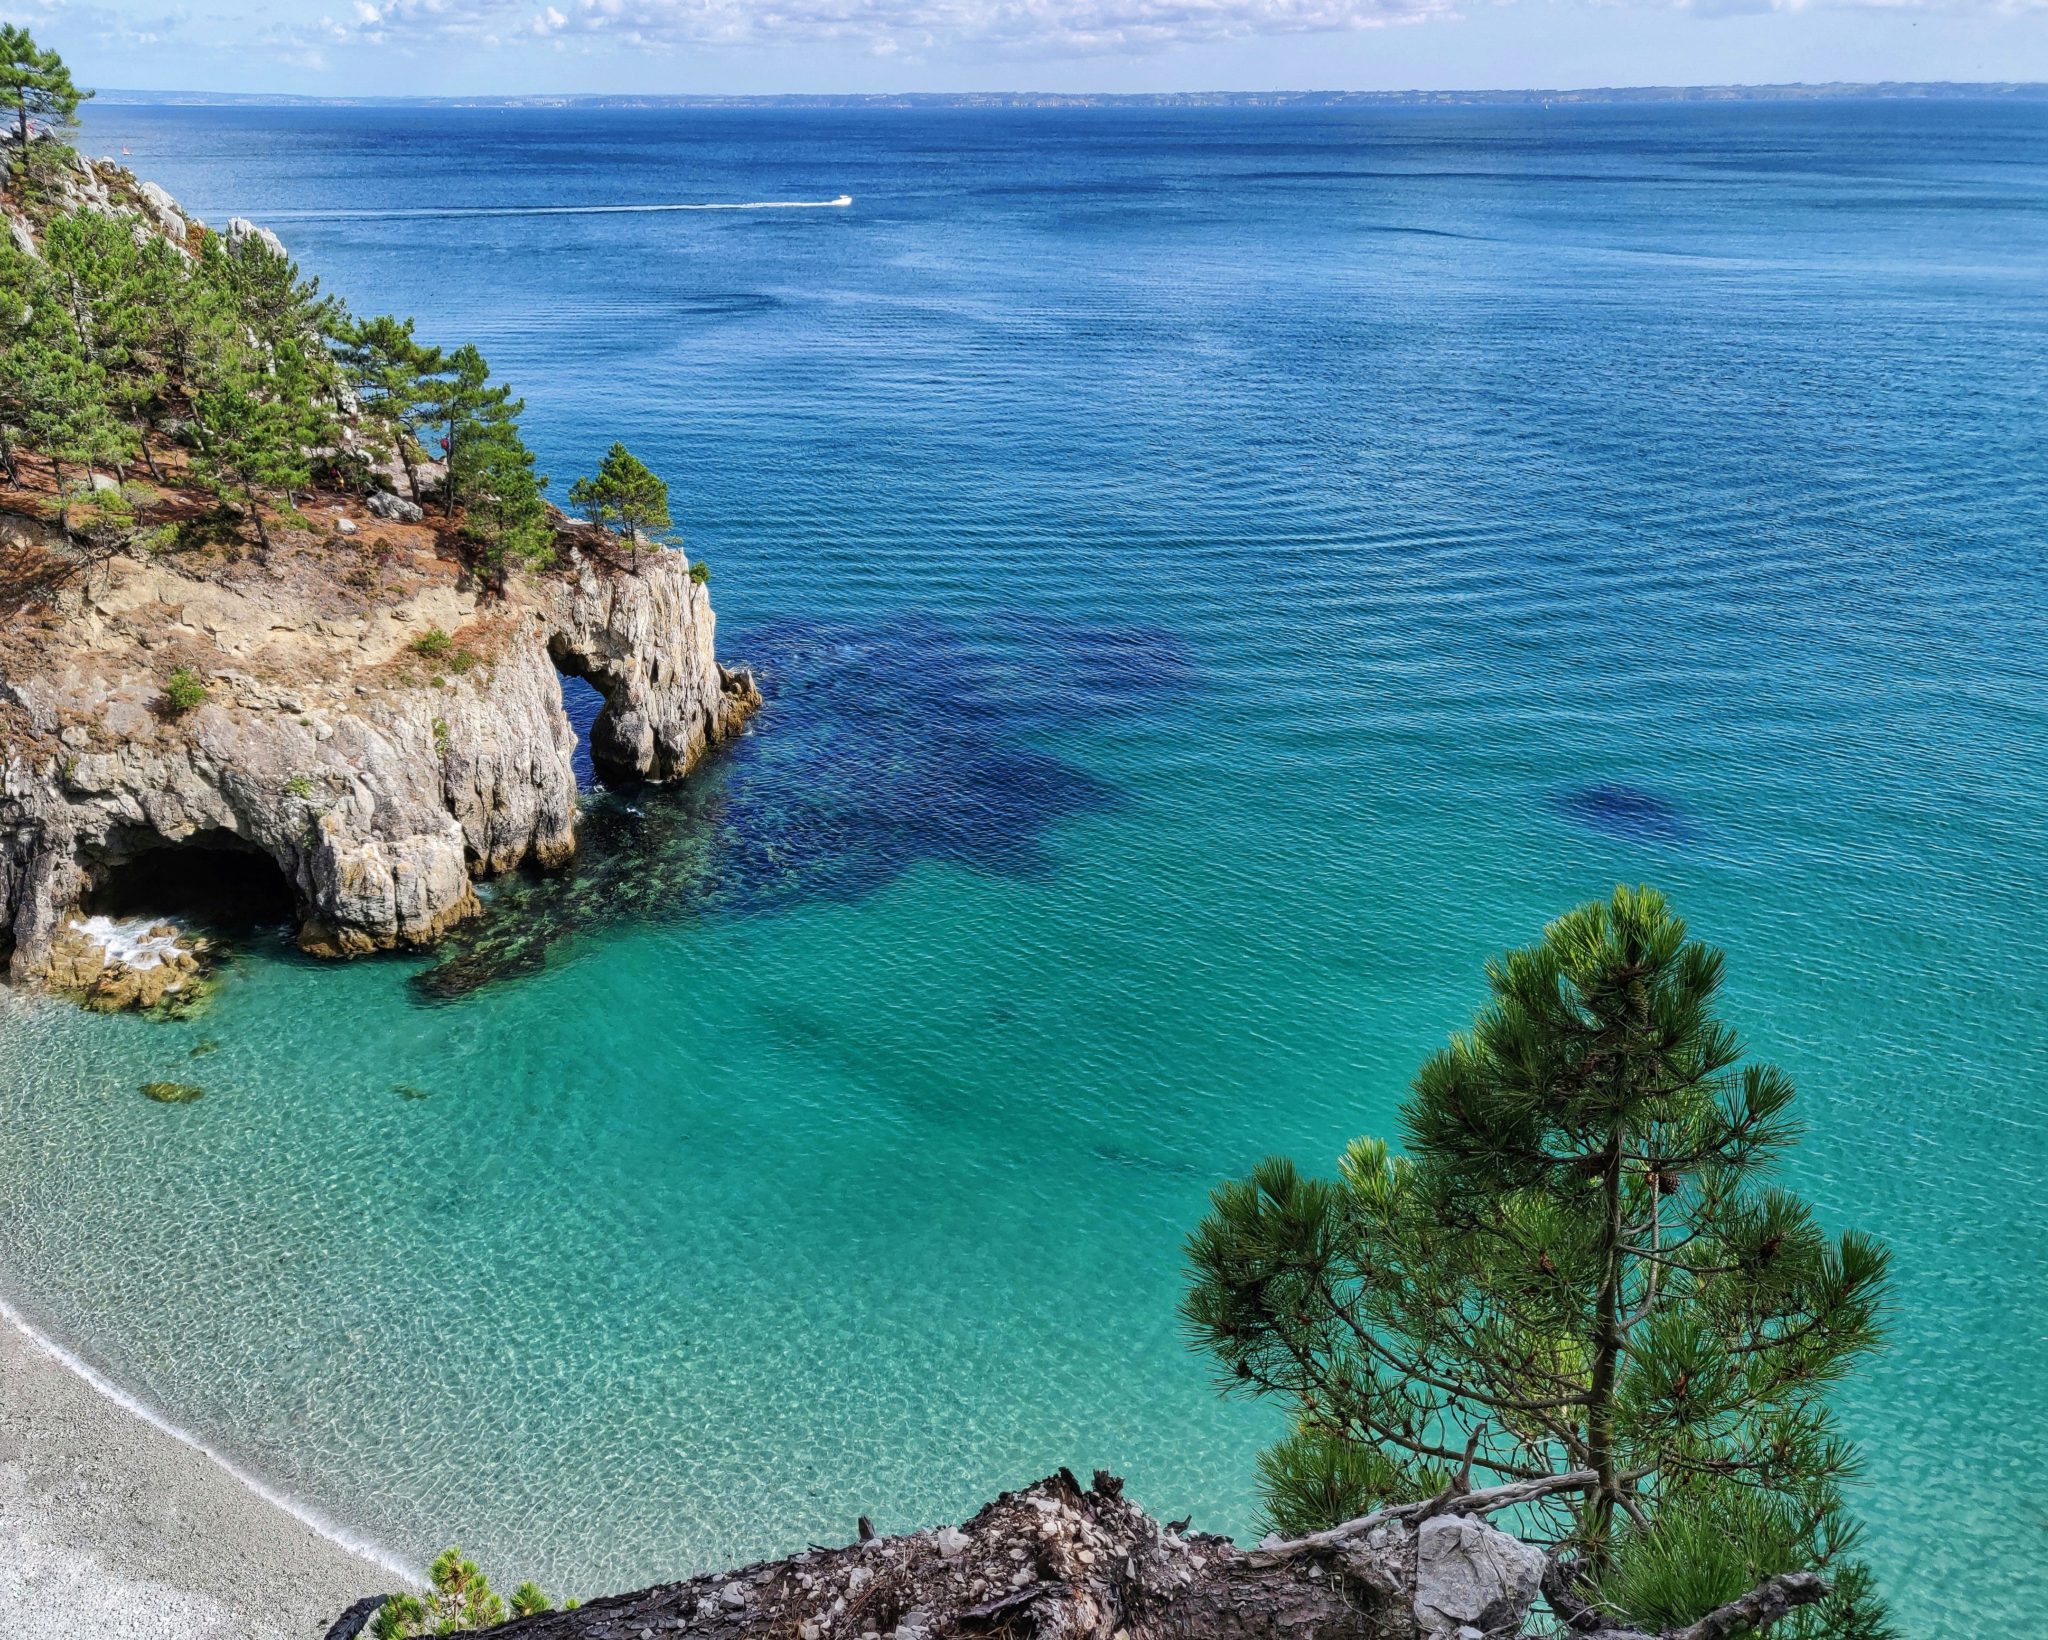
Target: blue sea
[1217, 576]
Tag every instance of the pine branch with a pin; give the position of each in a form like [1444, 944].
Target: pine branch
[1451, 1502]
[1764, 1605]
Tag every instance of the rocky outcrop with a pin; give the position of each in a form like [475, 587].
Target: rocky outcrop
[644, 639]
[240, 230]
[377, 750]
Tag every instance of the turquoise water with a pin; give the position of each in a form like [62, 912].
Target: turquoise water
[1217, 577]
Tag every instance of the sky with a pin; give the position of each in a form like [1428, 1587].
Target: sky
[471, 47]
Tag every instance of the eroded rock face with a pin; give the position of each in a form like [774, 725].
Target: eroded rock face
[644, 638]
[379, 764]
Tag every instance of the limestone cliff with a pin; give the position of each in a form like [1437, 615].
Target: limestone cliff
[375, 724]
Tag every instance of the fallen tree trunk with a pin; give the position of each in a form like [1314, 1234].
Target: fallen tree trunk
[1057, 1562]
[1060, 1562]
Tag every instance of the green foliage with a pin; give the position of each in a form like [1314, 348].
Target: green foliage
[700, 573]
[460, 1599]
[183, 691]
[1314, 1478]
[299, 786]
[490, 470]
[107, 343]
[441, 735]
[1580, 1263]
[396, 381]
[433, 644]
[1707, 1548]
[36, 86]
[624, 497]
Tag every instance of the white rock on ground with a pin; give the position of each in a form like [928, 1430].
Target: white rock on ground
[1469, 1576]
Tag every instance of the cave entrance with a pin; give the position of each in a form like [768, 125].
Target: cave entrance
[213, 877]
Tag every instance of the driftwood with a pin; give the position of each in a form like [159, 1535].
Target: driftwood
[1060, 1562]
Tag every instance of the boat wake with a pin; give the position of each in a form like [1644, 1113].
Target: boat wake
[438, 212]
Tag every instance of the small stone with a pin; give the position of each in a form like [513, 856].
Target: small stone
[952, 1542]
[347, 526]
[734, 1595]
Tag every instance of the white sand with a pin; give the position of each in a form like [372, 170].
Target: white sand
[114, 1529]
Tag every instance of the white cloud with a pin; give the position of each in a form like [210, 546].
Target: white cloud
[883, 27]
[1016, 27]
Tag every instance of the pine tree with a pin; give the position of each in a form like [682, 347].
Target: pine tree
[626, 497]
[394, 378]
[252, 418]
[490, 470]
[27, 305]
[35, 83]
[113, 290]
[1578, 1265]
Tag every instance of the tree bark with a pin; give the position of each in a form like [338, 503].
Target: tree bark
[1057, 1562]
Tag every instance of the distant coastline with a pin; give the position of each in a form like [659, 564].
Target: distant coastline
[1832, 91]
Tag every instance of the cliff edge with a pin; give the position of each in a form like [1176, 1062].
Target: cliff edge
[373, 725]
[258, 641]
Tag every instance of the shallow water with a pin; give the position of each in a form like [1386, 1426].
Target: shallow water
[1217, 577]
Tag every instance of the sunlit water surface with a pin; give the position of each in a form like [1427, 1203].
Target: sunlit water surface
[1216, 576]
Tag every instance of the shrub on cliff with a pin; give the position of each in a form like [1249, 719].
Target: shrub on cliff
[1578, 1265]
[183, 692]
[460, 1599]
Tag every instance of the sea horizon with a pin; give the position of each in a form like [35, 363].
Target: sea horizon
[1420, 97]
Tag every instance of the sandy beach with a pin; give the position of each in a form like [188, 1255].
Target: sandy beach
[113, 1529]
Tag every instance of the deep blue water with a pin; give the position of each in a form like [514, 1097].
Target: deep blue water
[1218, 576]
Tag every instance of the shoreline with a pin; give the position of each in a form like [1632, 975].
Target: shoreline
[121, 1526]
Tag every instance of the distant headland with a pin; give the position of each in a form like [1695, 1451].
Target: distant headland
[1830, 91]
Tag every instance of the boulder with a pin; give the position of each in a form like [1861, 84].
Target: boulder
[163, 210]
[1470, 1577]
[241, 231]
[395, 507]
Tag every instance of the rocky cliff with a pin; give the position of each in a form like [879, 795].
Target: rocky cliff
[356, 720]
[375, 727]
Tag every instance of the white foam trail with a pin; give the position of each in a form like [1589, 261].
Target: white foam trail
[305, 1516]
[426, 213]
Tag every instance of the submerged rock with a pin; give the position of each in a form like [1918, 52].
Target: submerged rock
[172, 1093]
